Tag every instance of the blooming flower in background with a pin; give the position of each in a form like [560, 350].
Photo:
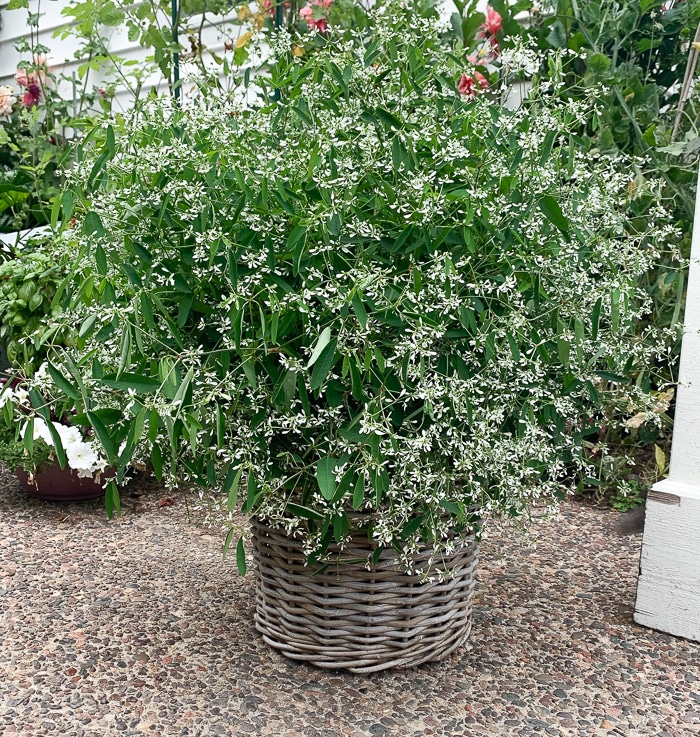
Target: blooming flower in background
[69, 435]
[25, 78]
[10, 394]
[32, 96]
[308, 13]
[269, 6]
[492, 24]
[7, 100]
[485, 54]
[470, 85]
[22, 78]
[82, 456]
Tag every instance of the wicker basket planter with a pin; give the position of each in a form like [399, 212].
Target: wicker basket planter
[352, 618]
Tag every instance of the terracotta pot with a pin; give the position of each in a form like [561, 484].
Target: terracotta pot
[60, 484]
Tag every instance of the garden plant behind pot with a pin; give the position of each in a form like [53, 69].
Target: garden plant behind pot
[374, 312]
[53, 458]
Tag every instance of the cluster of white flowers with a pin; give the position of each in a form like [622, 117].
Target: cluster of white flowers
[84, 457]
[468, 326]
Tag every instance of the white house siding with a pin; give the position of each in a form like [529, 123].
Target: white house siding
[62, 55]
[62, 59]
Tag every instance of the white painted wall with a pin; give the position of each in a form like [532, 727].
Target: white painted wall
[62, 58]
[668, 594]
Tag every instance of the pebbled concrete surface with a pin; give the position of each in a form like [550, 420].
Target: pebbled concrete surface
[138, 627]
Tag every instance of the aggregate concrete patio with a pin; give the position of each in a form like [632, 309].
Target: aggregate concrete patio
[138, 627]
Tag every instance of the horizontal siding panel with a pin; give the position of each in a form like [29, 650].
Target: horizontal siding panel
[62, 51]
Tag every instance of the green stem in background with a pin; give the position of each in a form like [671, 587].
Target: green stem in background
[175, 11]
[645, 147]
[278, 25]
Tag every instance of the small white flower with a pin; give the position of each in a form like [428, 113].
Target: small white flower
[69, 435]
[41, 431]
[82, 457]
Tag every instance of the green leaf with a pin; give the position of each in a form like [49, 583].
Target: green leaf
[230, 488]
[660, 458]
[93, 225]
[62, 383]
[359, 492]
[450, 507]
[104, 437]
[563, 351]
[249, 371]
[55, 209]
[157, 461]
[323, 365]
[325, 475]
[112, 499]
[240, 557]
[227, 541]
[595, 320]
[67, 204]
[296, 243]
[321, 343]
[334, 224]
[28, 434]
[86, 327]
[305, 512]
[547, 147]
[359, 310]
[391, 121]
[133, 437]
[552, 211]
[101, 260]
[137, 382]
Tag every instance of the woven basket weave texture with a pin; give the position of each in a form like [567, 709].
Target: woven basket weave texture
[348, 617]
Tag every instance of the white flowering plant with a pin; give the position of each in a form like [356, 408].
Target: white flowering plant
[374, 302]
[35, 441]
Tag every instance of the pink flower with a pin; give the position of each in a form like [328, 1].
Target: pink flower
[469, 86]
[483, 82]
[314, 18]
[490, 27]
[7, 100]
[485, 53]
[492, 24]
[22, 78]
[25, 77]
[32, 95]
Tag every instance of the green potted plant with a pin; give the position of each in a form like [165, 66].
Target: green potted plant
[30, 277]
[374, 313]
[54, 459]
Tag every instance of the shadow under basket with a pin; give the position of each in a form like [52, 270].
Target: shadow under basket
[348, 617]
[59, 484]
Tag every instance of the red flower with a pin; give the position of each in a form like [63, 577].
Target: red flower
[483, 82]
[314, 18]
[492, 24]
[469, 86]
[32, 95]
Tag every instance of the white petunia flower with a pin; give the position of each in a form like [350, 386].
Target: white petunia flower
[69, 435]
[82, 456]
[41, 431]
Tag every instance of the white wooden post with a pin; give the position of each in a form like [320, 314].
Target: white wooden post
[668, 593]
